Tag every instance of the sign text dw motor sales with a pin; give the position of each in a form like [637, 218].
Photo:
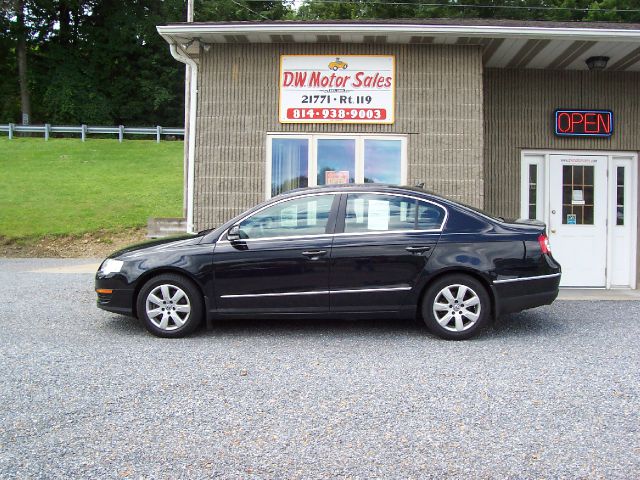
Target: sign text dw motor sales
[337, 89]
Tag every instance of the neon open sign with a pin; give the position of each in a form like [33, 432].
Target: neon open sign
[584, 123]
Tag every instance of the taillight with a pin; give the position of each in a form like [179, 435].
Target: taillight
[543, 240]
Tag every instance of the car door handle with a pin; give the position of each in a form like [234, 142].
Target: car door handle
[418, 249]
[314, 254]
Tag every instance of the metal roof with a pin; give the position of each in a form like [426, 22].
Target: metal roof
[506, 43]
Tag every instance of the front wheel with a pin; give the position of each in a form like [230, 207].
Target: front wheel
[456, 307]
[170, 306]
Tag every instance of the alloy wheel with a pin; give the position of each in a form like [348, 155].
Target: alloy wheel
[457, 307]
[168, 307]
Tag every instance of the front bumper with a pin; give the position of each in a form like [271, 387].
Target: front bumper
[114, 294]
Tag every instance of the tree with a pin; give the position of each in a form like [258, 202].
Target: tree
[562, 10]
[237, 10]
[14, 27]
[615, 10]
[98, 61]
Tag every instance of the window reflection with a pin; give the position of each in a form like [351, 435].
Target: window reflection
[289, 164]
[337, 156]
[303, 216]
[382, 161]
[369, 212]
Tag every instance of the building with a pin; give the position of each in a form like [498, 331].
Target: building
[523, 119]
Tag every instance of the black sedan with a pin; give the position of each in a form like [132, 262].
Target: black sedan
[341, 251]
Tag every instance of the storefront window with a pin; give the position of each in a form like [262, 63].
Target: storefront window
[533, 190]
[336, 161]
[620, 196]
[289, 164]
[531, 184]
[382, 161]
[301, 160]
[577, 194]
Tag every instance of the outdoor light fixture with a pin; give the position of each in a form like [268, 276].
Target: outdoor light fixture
[597, 63]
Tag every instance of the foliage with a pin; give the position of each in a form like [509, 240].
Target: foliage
[94, 61]
[97, 61]
[65, 186]
[239, 10]
[559, 10]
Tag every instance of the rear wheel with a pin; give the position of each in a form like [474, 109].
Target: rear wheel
[170, 305]
[456, 307]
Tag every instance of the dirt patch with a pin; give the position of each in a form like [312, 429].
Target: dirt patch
[89, 245]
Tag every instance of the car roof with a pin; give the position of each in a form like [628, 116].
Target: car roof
[384, 187]
[360, 187]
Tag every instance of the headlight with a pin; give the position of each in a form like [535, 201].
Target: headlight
[111, 266]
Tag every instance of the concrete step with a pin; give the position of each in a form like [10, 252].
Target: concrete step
[165, 227]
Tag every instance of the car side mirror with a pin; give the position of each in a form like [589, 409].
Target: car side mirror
[233, 233]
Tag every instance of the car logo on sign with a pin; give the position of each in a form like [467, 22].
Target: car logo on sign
[338, 64]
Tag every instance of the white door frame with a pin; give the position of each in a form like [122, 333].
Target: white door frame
[541, 159]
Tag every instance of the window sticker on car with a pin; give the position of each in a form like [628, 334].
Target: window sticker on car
[378, 218]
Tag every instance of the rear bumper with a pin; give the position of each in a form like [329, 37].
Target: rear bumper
[515, 295]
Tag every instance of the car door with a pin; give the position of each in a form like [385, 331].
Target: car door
[381, 248]
[280, 263]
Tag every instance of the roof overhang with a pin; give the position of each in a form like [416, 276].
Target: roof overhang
[506, 44]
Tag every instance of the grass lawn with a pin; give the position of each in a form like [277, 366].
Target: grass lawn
[67, 187]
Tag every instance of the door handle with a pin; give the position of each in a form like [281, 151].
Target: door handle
[314, 254]
[418, 249]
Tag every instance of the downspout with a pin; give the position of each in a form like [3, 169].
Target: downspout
[180, 55]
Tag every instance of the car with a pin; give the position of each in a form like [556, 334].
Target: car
[339, 251]
[337, 64]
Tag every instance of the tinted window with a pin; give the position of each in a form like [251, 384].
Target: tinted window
[370, 213]
[430, 217]
[301, 216]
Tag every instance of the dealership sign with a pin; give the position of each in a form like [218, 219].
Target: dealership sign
[584, 123]
[337, 89]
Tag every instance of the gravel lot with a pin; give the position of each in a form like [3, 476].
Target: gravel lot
[549, 393]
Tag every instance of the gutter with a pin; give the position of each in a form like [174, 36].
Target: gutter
[179, 54]
[482, 31]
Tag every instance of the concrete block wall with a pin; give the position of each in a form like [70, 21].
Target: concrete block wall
[519, 115]
[439, 106]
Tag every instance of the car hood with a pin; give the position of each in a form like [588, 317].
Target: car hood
[156, 246]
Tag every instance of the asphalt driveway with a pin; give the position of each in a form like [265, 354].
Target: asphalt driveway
[548, 393]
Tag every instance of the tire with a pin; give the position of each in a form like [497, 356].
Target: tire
[170, 306]
[456, 307]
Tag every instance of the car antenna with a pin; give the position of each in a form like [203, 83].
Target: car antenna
[420, 185]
